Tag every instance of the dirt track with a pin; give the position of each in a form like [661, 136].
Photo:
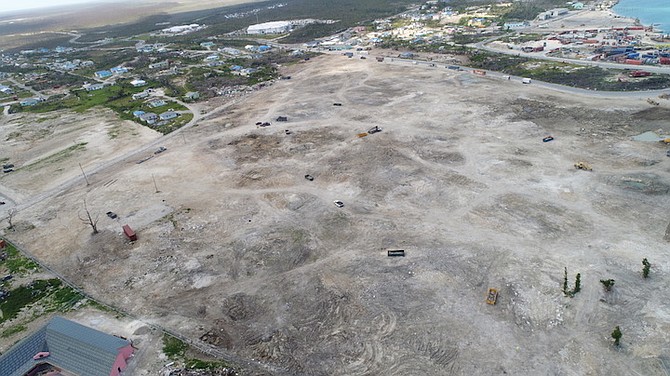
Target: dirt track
[238, 249]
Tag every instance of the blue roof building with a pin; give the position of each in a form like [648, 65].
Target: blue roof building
[103, 74]
[65, 346]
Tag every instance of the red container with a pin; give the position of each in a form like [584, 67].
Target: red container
[664, 60]
[130, 234]
[633, 62]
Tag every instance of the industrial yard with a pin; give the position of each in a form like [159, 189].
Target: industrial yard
[239, 251]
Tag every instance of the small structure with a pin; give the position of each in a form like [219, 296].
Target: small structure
[138, 113]
[130, 234]
[160, 65]
[94, 87]
[192, 95]
[63, 347]
[149, 117]
[141, 95]
[119, 70]
[30, 102]
[276, 27]
[157, 103]
[103, 74]
[168, 115]
[138, 82]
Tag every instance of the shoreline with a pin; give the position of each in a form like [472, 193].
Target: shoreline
[635, 20]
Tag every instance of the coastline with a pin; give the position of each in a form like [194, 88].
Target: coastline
[652, 25]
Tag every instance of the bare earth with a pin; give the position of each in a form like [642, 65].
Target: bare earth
[240, 250]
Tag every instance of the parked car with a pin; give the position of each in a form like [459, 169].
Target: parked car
[339, 203]
[160, 150]
[112, 215]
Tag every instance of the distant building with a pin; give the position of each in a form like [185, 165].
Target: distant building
[141, 95]
[63, 347]
[558, 12]
[6, 90]
[30, 102]
[93, 87]
[207, 44]
[138, 83]
[119, 70]
[160, 65]
[168, 115]
[515, 25]
[192, 95]
[103, 74]
[276, 27]
[578, 6]
[157, 103]
[138, 113]
[148, 117]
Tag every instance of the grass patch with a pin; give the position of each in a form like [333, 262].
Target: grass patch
[58, 156]
[173, 347]
[64, 299]
[13, 330]
[203, 364]
[16, 263]
[23, 296]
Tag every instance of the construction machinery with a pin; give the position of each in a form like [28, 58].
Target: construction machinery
[665, 140]
[583, 166]
[492, 296]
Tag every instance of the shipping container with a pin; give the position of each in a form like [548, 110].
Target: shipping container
[633, 62]
[664, 60]
[639, 74]
[130, 234]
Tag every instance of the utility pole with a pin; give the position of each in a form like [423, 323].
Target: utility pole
[83, 173]
[155, 185]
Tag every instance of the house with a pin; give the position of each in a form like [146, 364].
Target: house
[103, 74]
[264, 48]
[578, 6]
[248, 71]
[63, 347]
[149, 117]
[119, 70]
[86, 63]
[157, 103]
[275, 27]
[30, 102]
[138, 82]
[167, 115]
[141, 95]
[160, 65]
[6, 90]
[192, 95]
[207, 44]
[212, 58]
[138, 113]
[93, 87]
[515, 25]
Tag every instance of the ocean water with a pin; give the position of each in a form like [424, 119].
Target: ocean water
[649, 12]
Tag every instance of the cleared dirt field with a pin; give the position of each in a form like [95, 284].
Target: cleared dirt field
[239, 250]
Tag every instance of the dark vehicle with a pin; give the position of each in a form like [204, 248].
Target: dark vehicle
[286, 131]
[160, 150]
[309, 177]
[337, 104]
[374, 129]
[547, 139]
[2, 202]
[266, 124]
[112, 215]
[282, 118]
[7, 170]
[363, 57]
[286, 77]
[7, 166]
[259, 122]
[7, 277]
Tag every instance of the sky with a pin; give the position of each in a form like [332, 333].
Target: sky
[12, 5]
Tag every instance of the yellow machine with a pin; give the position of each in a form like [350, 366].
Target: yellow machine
[492, 296]
[583, 166]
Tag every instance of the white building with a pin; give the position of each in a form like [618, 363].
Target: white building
[276, 27]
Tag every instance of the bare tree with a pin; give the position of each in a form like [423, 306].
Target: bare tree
[89, 220]
[10, 216]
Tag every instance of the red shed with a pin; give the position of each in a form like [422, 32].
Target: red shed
[129, 233]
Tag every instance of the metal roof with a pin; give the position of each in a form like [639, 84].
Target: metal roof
[71, 346]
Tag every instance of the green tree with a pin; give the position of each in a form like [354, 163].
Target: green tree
[616, 334]
[565, 282]
[578, 284]
[645, 269]
[607, 284]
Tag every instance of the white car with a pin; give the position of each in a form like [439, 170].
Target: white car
[338, 203]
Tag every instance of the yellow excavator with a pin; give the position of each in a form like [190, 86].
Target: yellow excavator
[583, 166]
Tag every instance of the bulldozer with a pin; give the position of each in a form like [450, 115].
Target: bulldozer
[666, 140]
[583, 166]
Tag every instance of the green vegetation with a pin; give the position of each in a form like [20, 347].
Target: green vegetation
[616, 334]
[58, 156]
[173, 347]
[578, 284]
[23, 296]
[607, 284]
[12, 330]
[17, 263]
[176, 349]
[646, 268]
